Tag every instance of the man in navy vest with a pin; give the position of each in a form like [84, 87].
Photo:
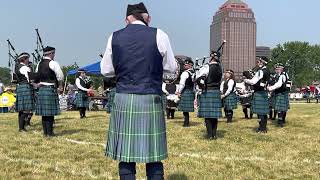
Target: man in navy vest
[137, 56]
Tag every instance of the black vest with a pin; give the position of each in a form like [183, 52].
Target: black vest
[45, 74]
[262, 83]
[171, 88]
[213, 80]
[283, 88]
[21, 78]
[83, 84]
[189, 83]
[225, 86]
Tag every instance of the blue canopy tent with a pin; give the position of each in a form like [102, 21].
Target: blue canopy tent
[90, 69]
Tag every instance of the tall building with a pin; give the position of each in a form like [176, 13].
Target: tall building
[235, 23]
[263, 51]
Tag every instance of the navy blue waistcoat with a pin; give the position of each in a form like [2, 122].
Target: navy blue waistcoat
[137, 61]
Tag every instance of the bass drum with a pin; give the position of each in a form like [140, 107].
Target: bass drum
[175, 78]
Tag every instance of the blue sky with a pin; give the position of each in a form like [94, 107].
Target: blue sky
[79, 28]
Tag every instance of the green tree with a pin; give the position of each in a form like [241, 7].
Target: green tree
[5, 76]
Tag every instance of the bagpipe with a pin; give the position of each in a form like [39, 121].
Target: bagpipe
[13, 61]
[175, 77]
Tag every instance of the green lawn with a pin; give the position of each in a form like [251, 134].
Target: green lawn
[78, 150]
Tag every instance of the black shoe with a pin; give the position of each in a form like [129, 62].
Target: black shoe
[185, 125]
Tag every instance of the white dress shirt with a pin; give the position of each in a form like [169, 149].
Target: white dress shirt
[183, 78]
[55, 67]
[169, 63]
[25, 70]
[78, 84]
[230, 86]
[256, 78]
[282, 79]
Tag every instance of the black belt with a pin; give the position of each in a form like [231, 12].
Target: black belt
[213, 88]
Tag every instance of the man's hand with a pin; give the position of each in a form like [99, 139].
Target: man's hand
[223, 96]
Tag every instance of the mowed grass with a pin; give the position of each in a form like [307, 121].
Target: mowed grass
[77, 152]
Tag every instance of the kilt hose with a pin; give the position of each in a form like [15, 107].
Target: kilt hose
[230, 102]
[47, 101]
[186, 103]
[25, 98]
[282, 102]
[210, 104]
[110, 97]
[260, 103]
[82, 99]
[137, 130]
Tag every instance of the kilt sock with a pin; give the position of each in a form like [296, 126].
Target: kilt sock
[263, 123]
[154, 171]
[214, 127]
[50, 125]
[28, 121]
[186, 119]
[245, 111]
[172, 113]
[209, 127]
[127, 171]
[229, 115]
[225, 112]
[44, 125]
[275, 112]
[168, 112]
[284, 115]
[270, 113]
[280, 119]
[22, 120]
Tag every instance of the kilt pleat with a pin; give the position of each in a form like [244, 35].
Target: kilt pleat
[186, 103]
[137, 130]
[272, 101]
[25, 98]
[260, 103]
[82, 99]
[230, 102]
[47, 102]
[282, 102]
[210, 104]
[110, 97]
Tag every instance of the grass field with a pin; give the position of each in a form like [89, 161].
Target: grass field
[78, 150]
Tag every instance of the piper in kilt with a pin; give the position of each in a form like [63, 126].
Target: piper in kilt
[280, 89]
[49, 75]
[210, 98]
[272, 98]
[244, 92]
[137, 56]
[185, 92]
[229, 96]
[82, 99]
[25, 97]
[260, 103]
[170, 98]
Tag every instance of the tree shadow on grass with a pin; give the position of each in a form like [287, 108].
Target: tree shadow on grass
[191, 123]
[220, 134]
[177, 176]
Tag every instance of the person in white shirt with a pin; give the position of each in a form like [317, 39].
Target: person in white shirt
[186, 93]
[228, 94]
[138, 55]
[280, 89]
[50, 76]
[82, 99]
[25, 96]
[171, 99]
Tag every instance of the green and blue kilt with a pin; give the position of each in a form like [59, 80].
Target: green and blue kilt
[164, 101]
[110, 97]
[82, 99]
[272, 101]
[210, 104]
[47, 101]
[260, 103]
[25, 98]
[282, 102]
[230, 102]
[186, 103]
[137, 129]
[288, 97]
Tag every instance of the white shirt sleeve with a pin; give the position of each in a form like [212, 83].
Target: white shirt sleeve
[25, 70]
[106, 65]
[55, 67]
[164, 88]
[279, 83]
[184, 76]
[258, 75]
[230, 86]
[221, 86]
[78, 84]
[204, 71]
[169, 62]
